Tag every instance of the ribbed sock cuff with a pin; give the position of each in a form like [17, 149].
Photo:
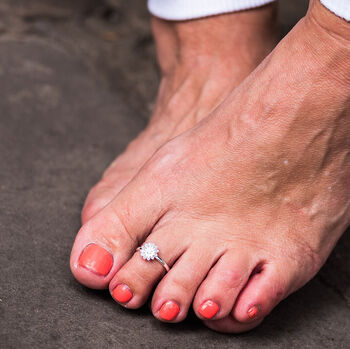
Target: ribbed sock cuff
[340, 7]
[189, 9]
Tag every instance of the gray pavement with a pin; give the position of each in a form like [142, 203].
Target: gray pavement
[77, 80]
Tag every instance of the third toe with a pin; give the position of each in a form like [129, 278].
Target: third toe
[181, 283]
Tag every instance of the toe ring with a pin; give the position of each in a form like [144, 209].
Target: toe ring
[149, 251]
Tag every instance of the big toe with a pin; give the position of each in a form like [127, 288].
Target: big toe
[107, 240]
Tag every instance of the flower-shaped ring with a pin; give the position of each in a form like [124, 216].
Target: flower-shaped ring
[149, 252]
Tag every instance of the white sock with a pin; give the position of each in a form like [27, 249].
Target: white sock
[189, 9]
[340, 7]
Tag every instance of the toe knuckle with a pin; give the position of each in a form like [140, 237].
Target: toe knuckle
[183, 285]
[124, 218]
[232, 278]
[141, 277]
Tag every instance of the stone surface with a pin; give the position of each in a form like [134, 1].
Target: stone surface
[77, 79]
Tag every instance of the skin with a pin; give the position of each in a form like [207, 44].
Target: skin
[252, 216]
[201, 62]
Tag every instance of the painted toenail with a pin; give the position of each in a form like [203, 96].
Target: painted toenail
[169, 310]
[208, 309]
[96, 259]
[122, 293]
[253, 312]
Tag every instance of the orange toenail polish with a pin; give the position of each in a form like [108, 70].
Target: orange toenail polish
[96, 259]
[208, 309]
[253, 312]
[169, 310]
[122, 293]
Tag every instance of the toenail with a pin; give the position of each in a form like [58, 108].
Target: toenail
[208, 309]
[122, 293]
[96, 259]
[253, 312]
[169, 311]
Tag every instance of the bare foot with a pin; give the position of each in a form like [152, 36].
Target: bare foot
[201, 62]
[246, 206]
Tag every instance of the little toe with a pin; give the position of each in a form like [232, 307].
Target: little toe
[174, 294]
[218, 292]
[264, 290]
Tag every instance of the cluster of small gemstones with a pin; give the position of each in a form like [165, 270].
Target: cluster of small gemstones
[149, 251]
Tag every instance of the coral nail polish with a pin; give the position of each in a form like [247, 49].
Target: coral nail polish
[208, 309]
[253, 312]
[96, 259]
[169, 310]
[122, 293]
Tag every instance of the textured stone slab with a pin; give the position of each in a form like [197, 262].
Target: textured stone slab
[65, 112]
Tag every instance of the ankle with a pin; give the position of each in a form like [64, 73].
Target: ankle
[247, 35]
[335, 26]
[327, 37]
